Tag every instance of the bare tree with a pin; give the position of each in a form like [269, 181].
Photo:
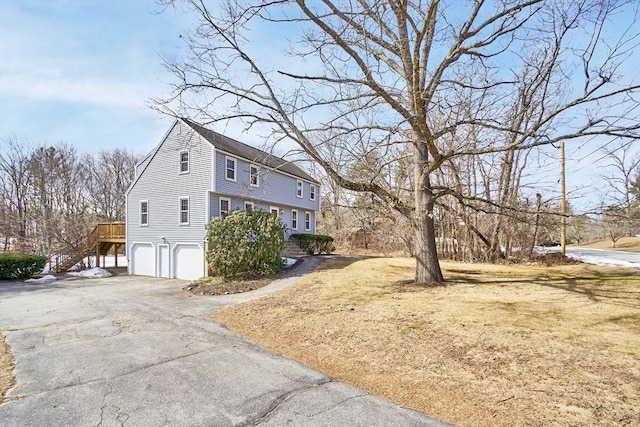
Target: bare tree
[620, 210]
[60, 206]
[366, 76]
[111, 174]
[15, 180]
[51, 195]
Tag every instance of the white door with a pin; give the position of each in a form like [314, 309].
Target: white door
[188, 261]
[143, 259]
[163, 260]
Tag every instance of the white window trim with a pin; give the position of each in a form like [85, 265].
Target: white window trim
[257, 184]
[274, 208]
[235, 168]
[180, 210]
[312, 191]
[253, 205]
[220, 199]
[299, 186]
[307, 213]
[294, 226]
[180, 162]
[146, 224]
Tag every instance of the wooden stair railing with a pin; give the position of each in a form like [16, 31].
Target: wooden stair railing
[98, 242]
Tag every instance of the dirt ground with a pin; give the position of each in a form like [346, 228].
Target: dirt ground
[218, 286]
[631, 244]
[6, 369]
[215, 286]
[496, 346]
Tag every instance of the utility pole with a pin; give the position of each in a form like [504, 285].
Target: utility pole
[563, 203]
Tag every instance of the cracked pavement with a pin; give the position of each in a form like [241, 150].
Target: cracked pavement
[138, 351]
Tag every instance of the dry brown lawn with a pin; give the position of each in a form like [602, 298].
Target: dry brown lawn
[630, 244]
[6, 369]
[496, 346]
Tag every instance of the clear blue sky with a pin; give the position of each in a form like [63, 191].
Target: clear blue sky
[81, 72]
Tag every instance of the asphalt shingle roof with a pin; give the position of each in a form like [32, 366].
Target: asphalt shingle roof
[248, 152]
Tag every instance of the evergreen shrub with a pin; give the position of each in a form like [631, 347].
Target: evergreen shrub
[314, 243]
[245, 244]
[20, 266]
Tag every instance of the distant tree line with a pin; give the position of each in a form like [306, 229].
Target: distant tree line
[508, 221]
[52, 195]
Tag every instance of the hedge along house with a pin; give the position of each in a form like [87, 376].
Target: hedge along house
[195, 174]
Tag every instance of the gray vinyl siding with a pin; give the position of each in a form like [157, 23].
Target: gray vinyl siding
[140, 167]
[275, 188]
[161, 184]
[238, 204]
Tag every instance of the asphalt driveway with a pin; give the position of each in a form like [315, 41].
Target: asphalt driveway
[139, 351]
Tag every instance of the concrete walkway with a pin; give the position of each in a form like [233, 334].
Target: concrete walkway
[139, 351]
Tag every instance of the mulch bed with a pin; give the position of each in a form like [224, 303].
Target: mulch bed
[226, 288]
[204, 287]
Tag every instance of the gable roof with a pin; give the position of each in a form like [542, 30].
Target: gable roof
[247, 152]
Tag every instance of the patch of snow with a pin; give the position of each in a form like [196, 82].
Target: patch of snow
[288, 262]
[46, 279]
[604, 261]
[92, 272]
[109, 261]
[598, 256]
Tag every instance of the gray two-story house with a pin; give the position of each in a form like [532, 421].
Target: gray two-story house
[195, 174]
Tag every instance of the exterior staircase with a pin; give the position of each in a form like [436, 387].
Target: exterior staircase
[292, 250]
[103, 237]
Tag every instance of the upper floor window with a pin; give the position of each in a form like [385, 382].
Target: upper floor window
[248, 206]
[307, 221]
[294, 219]
[299, 189]
[144, 212]
[225, 206]
[312, 192]
[230, 170]
[184, 210]
[184, 162]
[254, 176]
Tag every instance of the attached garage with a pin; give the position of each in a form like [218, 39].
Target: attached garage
[143, 259]
[188, 261]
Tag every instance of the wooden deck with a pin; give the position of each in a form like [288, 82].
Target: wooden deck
[103, 237]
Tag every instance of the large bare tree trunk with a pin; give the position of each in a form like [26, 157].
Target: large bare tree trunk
[427, 264]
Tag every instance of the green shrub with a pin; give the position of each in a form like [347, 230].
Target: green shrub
[20, 266]
[245, 244]
[314, 243]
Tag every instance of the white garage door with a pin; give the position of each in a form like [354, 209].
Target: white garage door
[188, 261]
[143, 259]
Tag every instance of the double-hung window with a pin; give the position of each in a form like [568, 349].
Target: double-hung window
[312, 192]
[299, 191]
[144, 213]
[184, 211]
[184, 162]
[307, 221]
[294, 219]
[230, 169]
[254, 176]
[225, 206]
